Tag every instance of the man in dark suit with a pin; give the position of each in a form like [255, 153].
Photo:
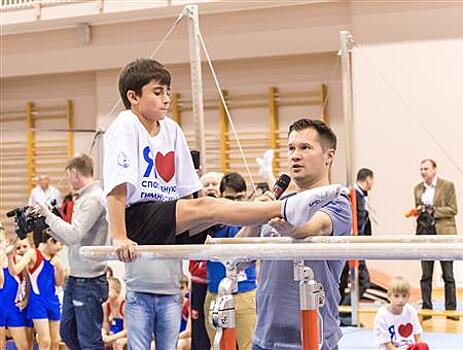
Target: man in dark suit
[363, 185]
[438, 195]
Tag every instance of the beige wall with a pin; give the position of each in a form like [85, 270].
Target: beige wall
[292, 48]
[407, 100]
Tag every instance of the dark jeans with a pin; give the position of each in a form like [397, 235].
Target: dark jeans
[364, 282]
[199, 338]
[427, 268]
[82, 315]
[257, 347]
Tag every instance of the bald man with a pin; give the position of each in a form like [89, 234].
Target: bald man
[44, 192]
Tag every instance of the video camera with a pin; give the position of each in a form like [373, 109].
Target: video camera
[426, 223]
[28, 219]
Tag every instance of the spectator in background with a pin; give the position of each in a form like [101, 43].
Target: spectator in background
[397, 326]
[82, 321]
[436, 197]
[261, 188]
[114, 330]
[44, 193]
[184, 338]
[233, 187]
[362, 187]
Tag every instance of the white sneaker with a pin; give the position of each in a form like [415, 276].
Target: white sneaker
[300, 208]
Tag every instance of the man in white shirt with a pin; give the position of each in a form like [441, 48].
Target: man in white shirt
[44, 192]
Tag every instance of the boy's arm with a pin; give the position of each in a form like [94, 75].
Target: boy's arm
[60, 273]
[27, 291]
[125, 248]
[2, 259]
[18, 267]
[105, 325]
[418, 338]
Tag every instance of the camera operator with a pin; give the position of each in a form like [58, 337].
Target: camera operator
[86, 288]
[436, 204]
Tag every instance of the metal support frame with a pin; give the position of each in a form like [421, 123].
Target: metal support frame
[191, 12]
[346, 46]
[346, 63]
[311, 297]
[222, 310]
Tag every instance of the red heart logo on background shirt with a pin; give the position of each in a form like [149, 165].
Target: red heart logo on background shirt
[405, 330]
[165, 165]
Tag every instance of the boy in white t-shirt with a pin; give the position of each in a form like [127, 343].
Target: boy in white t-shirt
[147, 167]
[396, 325]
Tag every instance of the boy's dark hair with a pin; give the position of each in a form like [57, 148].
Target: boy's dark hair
[234, 181]
[45, 236]
[81, 162]
[433, 162]
[363, 173]
[326, 136]
[138, 73]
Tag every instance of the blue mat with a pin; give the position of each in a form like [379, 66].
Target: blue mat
[363, 339]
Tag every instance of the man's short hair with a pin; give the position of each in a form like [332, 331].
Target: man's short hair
[398, 285]
[326, 136]
[433, 162]
[137, 74]
[81, 162]
[234, 181]
[363, 173]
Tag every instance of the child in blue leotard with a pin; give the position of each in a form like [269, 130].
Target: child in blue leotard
[13, 303]
[114, 332]
[45, 273]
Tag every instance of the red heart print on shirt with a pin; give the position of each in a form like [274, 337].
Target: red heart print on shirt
[405, 330]
[165, 165]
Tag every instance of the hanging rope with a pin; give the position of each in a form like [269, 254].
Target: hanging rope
[118, 102]
[407, 105]
[227, 112]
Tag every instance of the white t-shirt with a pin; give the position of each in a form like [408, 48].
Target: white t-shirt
[40, 196]
[156, 168]
[397, 329]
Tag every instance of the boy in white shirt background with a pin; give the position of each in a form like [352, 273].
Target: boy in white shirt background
[397, 326]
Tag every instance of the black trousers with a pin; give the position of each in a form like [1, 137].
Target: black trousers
[427, 268]
[199, 337]
[364, 282]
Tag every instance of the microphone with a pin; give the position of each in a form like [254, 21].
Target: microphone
[281, 185]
